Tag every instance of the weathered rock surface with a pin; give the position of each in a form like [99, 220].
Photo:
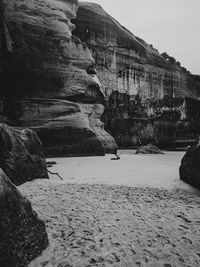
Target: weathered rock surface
[22, 234]
[148, 149]
[97, 126]
[47, 73]
[21, 155]
[190, 166]
[150, 97]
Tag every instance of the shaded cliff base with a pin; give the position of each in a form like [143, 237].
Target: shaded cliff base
[65, 128]
[173, 124]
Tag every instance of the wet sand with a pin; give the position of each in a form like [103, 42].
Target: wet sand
[131, 212]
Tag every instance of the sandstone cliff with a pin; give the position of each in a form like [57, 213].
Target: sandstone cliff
[150, 97]
[48, 80]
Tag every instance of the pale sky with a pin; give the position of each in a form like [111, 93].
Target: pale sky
[171, 26]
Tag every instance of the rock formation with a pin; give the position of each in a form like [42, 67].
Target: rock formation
[22, 234]
[148, 149]
[190, 166]
[150, 97]
[97, 126]
[21, 157]
[49, 81]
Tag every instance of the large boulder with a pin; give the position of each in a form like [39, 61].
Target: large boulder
[21, 155]
[22, 234]
[148, 149]
[48, 76]
[190, 166]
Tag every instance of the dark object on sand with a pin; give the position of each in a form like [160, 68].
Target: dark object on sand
[190, 166]
[22, 234]
[55, 173]
[50, 163]
[117, 156]
[148, 149]
[21, 158]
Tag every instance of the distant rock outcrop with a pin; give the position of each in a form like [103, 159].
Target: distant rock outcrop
[148, 149]
[190, 166]
[48, 77]
[149, 96]
[21, 155]
[22, 234]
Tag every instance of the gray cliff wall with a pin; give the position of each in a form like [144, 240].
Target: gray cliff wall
[48, 77]
[148, 95]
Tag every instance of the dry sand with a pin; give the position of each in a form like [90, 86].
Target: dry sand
[142, 216]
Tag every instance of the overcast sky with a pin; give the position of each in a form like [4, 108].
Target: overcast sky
[172, 26]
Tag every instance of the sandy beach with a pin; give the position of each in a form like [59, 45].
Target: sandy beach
[130, 212]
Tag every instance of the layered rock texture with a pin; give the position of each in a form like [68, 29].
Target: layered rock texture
[150, 97]
[21, 155]
[190, 166]
[22, 234]
[48, 78]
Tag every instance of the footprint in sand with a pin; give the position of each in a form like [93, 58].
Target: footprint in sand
[187, 240]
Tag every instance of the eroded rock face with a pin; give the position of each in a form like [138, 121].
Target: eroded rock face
[148, 95]
[47, 65]
[22, 234]
[190, 166]
[97, 126]
[21, 155]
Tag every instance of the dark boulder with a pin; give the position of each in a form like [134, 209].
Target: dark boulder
[190, 166]
[21, 155]
[148, 149]
[22, 234]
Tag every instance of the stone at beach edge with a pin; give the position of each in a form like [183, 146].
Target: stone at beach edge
[22, 234]
[21, 155]
[49, 81]
[190, 166]
[148, 149]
